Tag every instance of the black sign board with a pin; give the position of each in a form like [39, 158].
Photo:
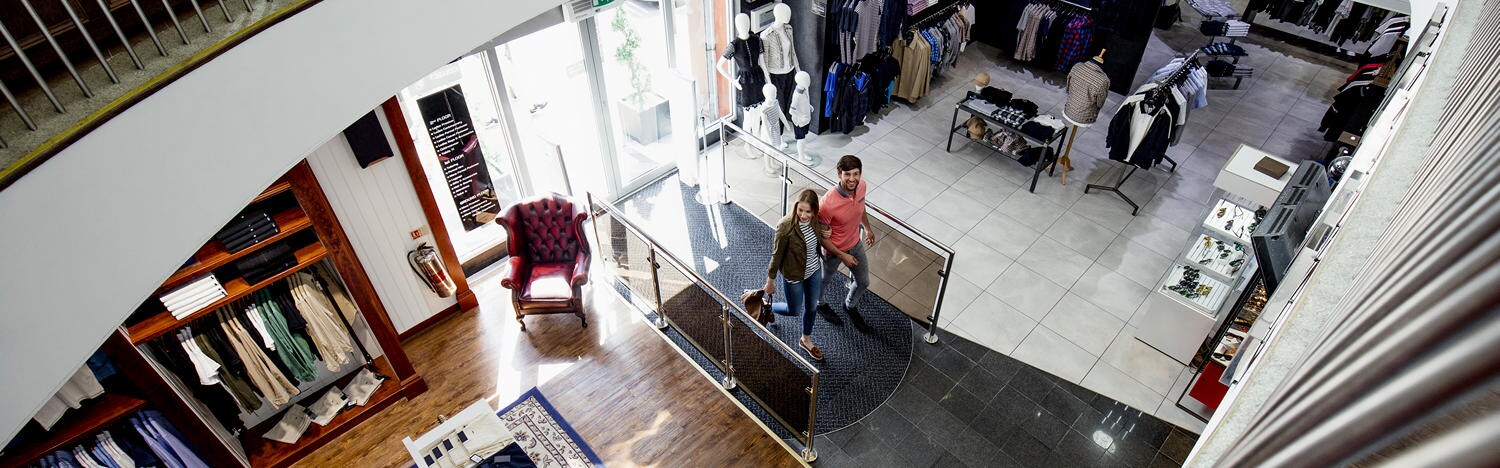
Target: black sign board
[447, 117]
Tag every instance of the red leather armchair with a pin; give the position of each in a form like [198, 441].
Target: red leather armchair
[549, 256]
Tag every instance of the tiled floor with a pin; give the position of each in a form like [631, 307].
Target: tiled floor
[962, 404]
[1058, 278]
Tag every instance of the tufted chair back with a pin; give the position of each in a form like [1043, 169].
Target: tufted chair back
[545, 229]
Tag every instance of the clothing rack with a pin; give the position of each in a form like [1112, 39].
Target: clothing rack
[931, 15]
[1188, 63]
[1065, 4]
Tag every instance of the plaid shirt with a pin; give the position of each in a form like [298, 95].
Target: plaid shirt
[1011, 116]
[1075, 42]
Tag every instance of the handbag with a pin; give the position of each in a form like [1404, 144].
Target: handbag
[754, 301]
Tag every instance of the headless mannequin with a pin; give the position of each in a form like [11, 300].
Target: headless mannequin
[1064, 161]
[800, 113]
[770, 125]
[780, 58]
[743, 80]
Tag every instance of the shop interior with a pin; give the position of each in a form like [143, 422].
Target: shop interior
[1078, 212]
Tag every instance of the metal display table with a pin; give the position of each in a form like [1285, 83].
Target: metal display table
[962, 130]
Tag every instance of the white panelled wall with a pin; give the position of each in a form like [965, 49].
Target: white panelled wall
[378, 208]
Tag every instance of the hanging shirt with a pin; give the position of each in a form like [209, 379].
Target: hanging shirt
[324, 326]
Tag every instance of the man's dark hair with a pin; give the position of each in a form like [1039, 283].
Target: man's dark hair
[848, 163]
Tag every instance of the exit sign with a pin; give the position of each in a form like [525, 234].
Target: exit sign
[602, 3]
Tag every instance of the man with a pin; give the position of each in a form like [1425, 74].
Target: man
[843, 211]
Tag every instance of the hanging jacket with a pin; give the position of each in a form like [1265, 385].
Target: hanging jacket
[1153, 143]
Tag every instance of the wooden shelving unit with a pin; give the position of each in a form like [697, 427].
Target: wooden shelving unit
[265, 452]
[214, 255]
[163, 322]
[306, 223]
[77, 425]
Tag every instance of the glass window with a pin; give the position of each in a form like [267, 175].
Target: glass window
[548, 88]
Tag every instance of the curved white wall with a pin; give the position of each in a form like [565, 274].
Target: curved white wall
[89, 234]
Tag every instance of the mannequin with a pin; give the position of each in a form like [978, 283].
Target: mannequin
[768, 123]
[779, 60]
[980, 81]
[800, 112]
[1088, 86]
[747, 76]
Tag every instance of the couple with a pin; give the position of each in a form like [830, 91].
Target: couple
[833, 223]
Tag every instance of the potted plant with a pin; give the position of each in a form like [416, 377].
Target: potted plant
[644, 116]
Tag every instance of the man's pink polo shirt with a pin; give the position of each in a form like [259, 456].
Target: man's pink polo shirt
[843, 215]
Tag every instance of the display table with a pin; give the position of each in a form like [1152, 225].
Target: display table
[956, 128]
[1217, 260]
[1239, 176]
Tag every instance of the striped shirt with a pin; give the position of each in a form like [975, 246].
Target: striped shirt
[814, 261]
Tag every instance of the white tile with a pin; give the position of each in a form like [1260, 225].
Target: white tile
[1083, 236]
[943, 166]
[995, 325]
[1142, 362]
[1087, 326]
[876, 165]
[834, 144]
[1005, 234]
[960, 294]
[913, 186]
[1037, 213]
[934, 226]
[1109, 212]
[1182, 212]
[985, 187]
[977, 262]
[1027, 291]
[958, 209]
[1159, 236]
[891, 203]
[1169, 412]
[1110, 291]
[1055, 261]
[1136, 262]
[1048, 351]
[1113, 383]
[932, 124]
[904, 145]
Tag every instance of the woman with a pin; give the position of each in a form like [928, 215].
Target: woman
[797, 259]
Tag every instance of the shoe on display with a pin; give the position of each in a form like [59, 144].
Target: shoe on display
[827, 313]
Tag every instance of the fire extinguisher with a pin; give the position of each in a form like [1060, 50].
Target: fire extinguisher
[428, 266]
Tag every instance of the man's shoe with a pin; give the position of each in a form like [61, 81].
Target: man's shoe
[827, 313]
[859, 321]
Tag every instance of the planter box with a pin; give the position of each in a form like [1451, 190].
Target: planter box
[647, 123]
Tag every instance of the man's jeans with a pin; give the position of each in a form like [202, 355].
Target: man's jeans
[861, 273]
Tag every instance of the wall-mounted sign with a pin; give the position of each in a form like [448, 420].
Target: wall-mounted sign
[457, 145]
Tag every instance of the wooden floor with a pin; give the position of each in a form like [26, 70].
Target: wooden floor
[628, 393]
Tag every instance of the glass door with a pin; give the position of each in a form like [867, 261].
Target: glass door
[547, 83]
[457, 128]
[650, 105]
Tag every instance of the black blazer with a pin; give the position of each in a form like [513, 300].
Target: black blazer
[1152, 147]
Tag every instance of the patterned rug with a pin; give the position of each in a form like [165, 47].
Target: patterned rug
[544, 435]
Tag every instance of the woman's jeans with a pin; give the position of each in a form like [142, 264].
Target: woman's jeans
[801, 299]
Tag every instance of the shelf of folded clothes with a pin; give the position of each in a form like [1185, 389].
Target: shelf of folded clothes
[269, 265]
[1016, 115]
[215, 254]
[1223, 49]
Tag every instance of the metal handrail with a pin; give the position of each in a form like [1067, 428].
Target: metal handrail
[830, 183]
[788, 165]
[657, 251]
[693, 275]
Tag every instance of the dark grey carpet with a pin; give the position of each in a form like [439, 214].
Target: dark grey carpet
[860, 370]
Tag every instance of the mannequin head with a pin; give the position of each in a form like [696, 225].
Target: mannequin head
[980, 81]
[782, 13]
[742, 26]
[769, 90]
[803, 80]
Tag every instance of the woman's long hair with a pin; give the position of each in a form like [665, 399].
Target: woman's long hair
[807, 196]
